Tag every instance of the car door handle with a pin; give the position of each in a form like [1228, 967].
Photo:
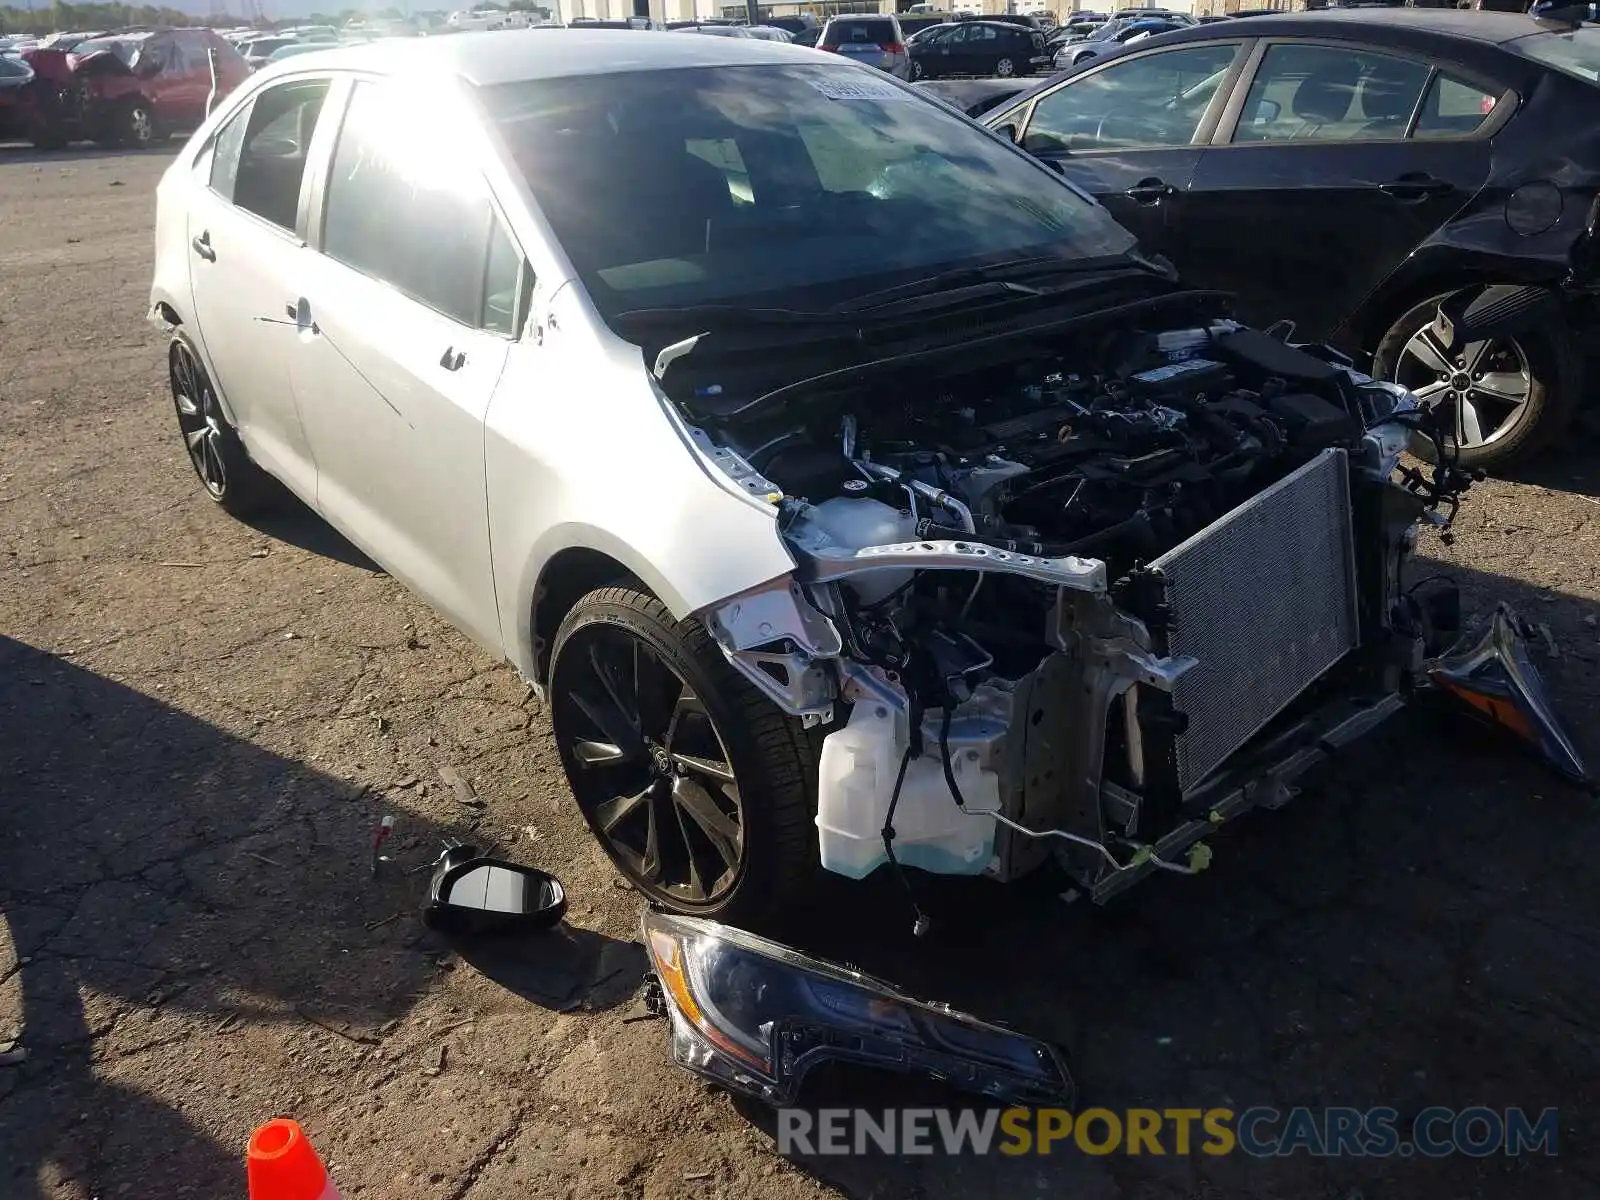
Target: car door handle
[453, 359]
[202, 246]
[1149, 191]
[1415, 187]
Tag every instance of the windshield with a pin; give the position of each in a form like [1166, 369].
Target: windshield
[1576, 53]
[796, 184]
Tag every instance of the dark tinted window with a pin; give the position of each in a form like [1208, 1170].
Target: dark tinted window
[1327, 93]
[1453, 109]
[1153, 100]
[712, 184]
[188, 54]
[869, 32]
[259, 157]
[503, 280]
[12, 68]
[404, 206]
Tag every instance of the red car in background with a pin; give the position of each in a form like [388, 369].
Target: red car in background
[122, 89]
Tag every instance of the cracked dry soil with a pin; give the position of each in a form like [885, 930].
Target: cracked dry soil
[201, 723]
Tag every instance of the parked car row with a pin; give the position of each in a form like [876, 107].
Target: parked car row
[130, 88]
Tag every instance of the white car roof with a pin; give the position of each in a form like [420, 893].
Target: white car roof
[512, 56]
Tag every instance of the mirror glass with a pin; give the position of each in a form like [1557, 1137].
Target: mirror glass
[496, 889]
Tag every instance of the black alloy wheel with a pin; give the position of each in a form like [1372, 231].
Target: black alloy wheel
[696, 787]
[200, 418]
[653, 776]
[215, 451]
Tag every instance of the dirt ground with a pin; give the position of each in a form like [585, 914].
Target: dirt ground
[202, 722]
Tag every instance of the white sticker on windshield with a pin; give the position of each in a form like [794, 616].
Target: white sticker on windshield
[843, 87]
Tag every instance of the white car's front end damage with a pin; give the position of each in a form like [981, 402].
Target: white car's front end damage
[990, 703]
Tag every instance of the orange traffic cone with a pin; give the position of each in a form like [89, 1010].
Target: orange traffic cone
[282, 1165]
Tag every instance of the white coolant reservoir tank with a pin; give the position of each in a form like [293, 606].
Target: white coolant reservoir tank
[857, 521]
[854, 785]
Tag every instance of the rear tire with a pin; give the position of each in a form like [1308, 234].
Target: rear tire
[620, 652]
[1540, 366]
[1005, 68]
[220, 461]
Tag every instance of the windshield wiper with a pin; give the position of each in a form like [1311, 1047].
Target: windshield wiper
[1004, 272]
[728, 314]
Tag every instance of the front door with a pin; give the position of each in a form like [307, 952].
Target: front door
[1127, 132]
[244, 253]
[1340, 161]
[403, 330]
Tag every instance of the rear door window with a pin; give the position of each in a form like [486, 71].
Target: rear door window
[1453, 108]
[258, 159]
[1308, 93]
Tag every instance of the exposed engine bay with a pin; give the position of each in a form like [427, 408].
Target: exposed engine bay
[1089, 598]
[1118, 464]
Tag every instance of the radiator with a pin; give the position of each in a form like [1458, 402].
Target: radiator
[1265, 599]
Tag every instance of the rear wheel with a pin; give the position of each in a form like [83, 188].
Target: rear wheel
[219, 458]
[697, 788]
[1499, 400]
[1005, 68]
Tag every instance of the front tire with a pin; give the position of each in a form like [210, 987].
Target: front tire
[697, 788]
[218, 457]
[1501, 401]
[1005, 68]
[918, 71]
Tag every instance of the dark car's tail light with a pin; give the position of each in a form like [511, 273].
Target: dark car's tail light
[830, 47]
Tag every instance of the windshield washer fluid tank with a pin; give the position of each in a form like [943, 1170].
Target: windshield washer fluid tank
[856, 781]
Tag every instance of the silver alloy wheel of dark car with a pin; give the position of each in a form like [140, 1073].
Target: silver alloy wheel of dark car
[200, 418]
[917, 70]
[648, 767]
[1482, 391]
[1005, 68]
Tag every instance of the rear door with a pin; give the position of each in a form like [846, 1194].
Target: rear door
[244, 213]
[1130, 132]
[403, 324]
[1335, 160]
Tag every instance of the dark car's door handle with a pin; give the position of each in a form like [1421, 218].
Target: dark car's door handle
[1416, 187]
[202, 246]
[1148, 191]
[453, 359]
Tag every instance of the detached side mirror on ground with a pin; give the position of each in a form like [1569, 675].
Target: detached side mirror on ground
[473, 895]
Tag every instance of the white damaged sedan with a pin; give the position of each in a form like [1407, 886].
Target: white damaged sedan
[850, 485]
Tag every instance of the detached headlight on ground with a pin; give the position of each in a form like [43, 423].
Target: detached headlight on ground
[755, 1016]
